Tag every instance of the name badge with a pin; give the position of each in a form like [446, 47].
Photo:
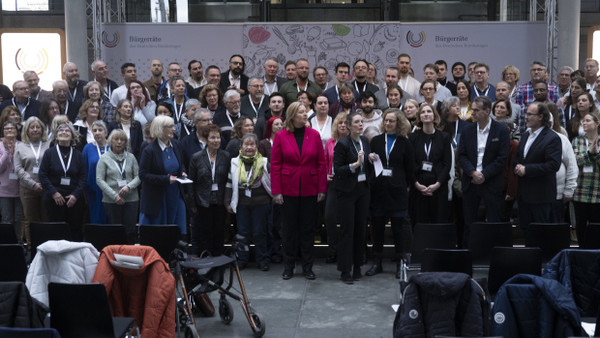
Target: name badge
[387, 172]
[36, 170]
[65, 181]
[214, 187]
[248, 193]
[13, 176]
[427, 166]
[122, 183]
[362, 177]
[588, 169]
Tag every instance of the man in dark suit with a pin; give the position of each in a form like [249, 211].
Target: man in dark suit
[537, 161]
[76, 85]
[26, 105]
[272, 81]
[235, 78]
[255, 104]
[342, 70]
[195, 142]
[482, 153]
[360, 78]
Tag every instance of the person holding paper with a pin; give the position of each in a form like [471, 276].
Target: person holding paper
[117, 177]
[160, 165]
[433, 159]
[389, 189]
[208, 169]
[63, 176]
[27, 159]
[352, 170]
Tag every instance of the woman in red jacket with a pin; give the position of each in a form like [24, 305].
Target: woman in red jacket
[298, 181]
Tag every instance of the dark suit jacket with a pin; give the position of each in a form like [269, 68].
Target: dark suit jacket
[201, 173]
[79, 94]
[369, 88]
[224, 84]
[247, 109]
[155, 179]
[344, 154]
[32, 109]
[494, 156]
[136, 136]
[112, 85]
[543, 159]
[332, 95]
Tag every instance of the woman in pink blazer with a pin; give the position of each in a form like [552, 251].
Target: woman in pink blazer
[298, 181]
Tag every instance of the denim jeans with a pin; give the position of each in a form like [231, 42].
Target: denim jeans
[252, 223]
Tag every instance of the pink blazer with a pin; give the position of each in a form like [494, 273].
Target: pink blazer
[289, 169]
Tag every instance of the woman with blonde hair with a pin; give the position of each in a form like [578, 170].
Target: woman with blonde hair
[89, 112]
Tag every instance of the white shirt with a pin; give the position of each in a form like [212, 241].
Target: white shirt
[482, 136]
[235, 81]
[530, 139]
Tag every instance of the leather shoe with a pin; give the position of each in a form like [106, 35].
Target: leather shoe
[331, 259]
[356, 275]
[287, 273]
[375, 269]
[263, 267]
[346, 278]
[308, 274]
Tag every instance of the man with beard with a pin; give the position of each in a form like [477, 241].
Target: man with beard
[342, 70]
[442, 78]
[408, 83]
[372, 117]
[391, 77]
[75, 85]
[255, 103]
[60, 90]
[26, 105]
[226, 119]
[156, 80]
[290, 89]
[196, 78]
[276, 105]
[195, 142]
[100, 71]
[272, 81]
[35, 91]
[234, 78]
[361, 67]
[458, 71]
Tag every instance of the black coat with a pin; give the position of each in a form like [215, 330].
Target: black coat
[136, 136]
[344, 154]
[18, 308]
[200, 172]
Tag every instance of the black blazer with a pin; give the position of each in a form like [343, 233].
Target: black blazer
[51, 172]
[344, 154]
[494, 156]
[155, 179]
[224, 84]
[190, 145]
[391, 192]
[541, 164]
[200, 172]
[136, 138]
[440, 156]
[247, 109]
[369, 88]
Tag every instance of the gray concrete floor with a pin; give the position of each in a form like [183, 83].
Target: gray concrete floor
[324, 307]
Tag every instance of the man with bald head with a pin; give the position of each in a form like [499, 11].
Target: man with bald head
[35, 91]
[156, 80]
[71, 73]
[100, 71]
[503, 93]
[26, 105]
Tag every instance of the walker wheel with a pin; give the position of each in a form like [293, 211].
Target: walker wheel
[225, 311]
[191, 331]
[259, 328]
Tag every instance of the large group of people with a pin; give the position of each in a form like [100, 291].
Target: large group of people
[286, 154]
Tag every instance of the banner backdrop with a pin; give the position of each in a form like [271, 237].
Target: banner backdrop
[325, 44]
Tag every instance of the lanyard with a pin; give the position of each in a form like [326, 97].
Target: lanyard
[178, 112]
[387, 153]
[36, 154]
[254, 107]
[108, 91]
[229, 118]
[428, 149]
[326, 86]
[570, 112]
[358, 149]
[212, 165]
[121, 169]
[63, 162]
[74, 93]
[356, 86]
[38, 94]
[305, 86]
[99, 152]
[270, 90]
[455, 143]
[248, 176]
[477, 90]
[27, 105]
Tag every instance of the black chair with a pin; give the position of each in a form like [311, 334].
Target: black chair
[101, 235]
[19, 332]
[444, 260]
[432, 236]
[41, 232]
[550, 237]
[506, 262]
[592, 236]
[7, 234]
[12, 263]
[82, 310]
[163, 238]
[485, 236]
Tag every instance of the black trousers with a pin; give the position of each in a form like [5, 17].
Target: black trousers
[331, 220]
[401, 230]
[298, 229]
[208, 232]
[73, 216]
[353, 208]
[492, 200]
[585, 213]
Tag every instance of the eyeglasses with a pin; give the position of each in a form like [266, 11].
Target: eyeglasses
[235, 102]
[537, 69]
[10, 128]
[479, 72]
[257, 86]
[175, 70]
[237, 63]
[428, 89]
